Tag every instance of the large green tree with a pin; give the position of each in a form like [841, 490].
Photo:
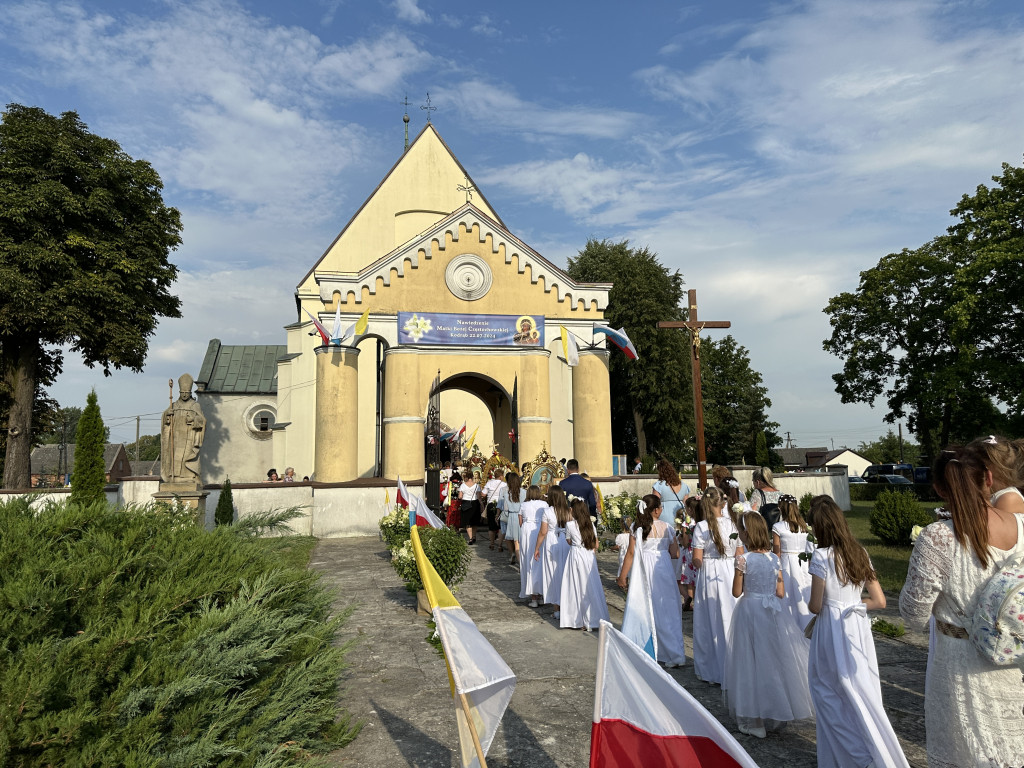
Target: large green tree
[651, 405]
[84, 243]
[735, 403]
[887, 450]
[939, 330]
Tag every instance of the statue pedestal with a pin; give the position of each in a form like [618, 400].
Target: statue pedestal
[188, 497]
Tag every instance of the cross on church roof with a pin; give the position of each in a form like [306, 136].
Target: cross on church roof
[428, 107]
[468, 188]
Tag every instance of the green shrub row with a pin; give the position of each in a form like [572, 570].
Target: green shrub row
[134, 637]
[895, 514]
[445, 548]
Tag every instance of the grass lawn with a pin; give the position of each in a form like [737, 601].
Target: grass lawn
[890, 562]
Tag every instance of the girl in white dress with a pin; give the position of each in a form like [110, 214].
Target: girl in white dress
[972, 708]
[659, 547]
[582, 600]
[789, 541]
[551, 549]
[531, 513]
[766, 677]
[715, 546]
[852, 727]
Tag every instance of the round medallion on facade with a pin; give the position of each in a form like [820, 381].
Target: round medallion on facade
[468, 277]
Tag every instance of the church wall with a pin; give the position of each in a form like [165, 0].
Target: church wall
[231, 447]
[561, 397]
[296, 398]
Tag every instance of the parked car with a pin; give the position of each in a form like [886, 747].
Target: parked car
[855, 479]
[889, 479]
[922, 474]
[904, 470]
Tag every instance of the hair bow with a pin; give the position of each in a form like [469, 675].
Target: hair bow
[992, 440]
[733, 483]
[641, 507]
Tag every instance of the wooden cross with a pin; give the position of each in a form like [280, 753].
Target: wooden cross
[694, 327]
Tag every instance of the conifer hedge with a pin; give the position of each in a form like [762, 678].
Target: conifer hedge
[134, 637]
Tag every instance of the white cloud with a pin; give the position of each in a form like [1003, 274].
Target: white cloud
[235, 106]
[408, 10]
[492, 104]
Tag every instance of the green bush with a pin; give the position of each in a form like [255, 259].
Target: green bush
[394, 528]
[805, 504]
[135, 637]
[89, 475]
[895, 513]
[225, 512]
[445, 548]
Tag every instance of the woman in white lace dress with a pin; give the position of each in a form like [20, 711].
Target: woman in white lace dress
[789, 541]
[972, 707]
[659, 547]
[715, 546]
[852, 728]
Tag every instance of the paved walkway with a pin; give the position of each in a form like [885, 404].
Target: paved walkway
[397, 682]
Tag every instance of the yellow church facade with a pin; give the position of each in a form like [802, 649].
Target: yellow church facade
[459, 308]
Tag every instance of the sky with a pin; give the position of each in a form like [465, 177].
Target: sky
[769, 152]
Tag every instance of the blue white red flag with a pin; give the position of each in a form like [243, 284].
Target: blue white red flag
[619, 339]
[422, 515]
[643, 717]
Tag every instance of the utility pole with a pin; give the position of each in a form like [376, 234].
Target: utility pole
[789, 440]
[900, 425]
[137, 420]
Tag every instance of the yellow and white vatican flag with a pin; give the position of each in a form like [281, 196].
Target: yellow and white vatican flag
[572, 352]
[481, 682]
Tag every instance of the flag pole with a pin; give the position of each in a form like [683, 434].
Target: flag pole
[472, 731]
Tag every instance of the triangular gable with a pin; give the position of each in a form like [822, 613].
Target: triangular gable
[466, 220]
[421, 186]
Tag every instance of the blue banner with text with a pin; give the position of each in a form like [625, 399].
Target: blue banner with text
[471, 330]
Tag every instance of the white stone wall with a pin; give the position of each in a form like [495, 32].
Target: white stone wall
[230, 447]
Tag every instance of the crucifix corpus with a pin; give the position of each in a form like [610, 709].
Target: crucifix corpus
[694, 326]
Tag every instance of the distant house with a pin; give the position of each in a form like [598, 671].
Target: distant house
[146, 468]
[855, 463]
[46, 465]
[796, 458]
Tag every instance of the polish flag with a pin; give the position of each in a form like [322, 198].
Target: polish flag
[422, 515]
[319, 328]
[402, 495]
[643, 717]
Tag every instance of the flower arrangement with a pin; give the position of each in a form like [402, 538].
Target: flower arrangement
[614, 511]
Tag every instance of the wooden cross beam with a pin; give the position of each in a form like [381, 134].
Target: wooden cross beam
[694, 327]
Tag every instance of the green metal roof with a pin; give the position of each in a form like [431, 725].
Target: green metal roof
[240, 369]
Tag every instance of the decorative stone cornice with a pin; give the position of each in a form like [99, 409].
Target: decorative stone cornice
[459, 224]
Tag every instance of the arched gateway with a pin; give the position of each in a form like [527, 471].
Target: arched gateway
[453, 297]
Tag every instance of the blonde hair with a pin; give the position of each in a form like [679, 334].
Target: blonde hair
[789, 513]
[764, 475]
[1003, 458]
[712, 498]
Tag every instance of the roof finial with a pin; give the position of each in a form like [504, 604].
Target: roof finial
[428, 108]
[405, 119]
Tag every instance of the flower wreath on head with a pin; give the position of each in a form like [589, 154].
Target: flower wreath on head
[573, 498]
[733, 483]
[788, 497]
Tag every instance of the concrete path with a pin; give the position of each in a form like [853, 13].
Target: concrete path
[397, 682]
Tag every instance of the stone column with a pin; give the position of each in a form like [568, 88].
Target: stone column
[534, 405]
[405, 406]
[592, 413]
[337, 414]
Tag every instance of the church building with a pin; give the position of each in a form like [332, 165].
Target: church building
[464, 327]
